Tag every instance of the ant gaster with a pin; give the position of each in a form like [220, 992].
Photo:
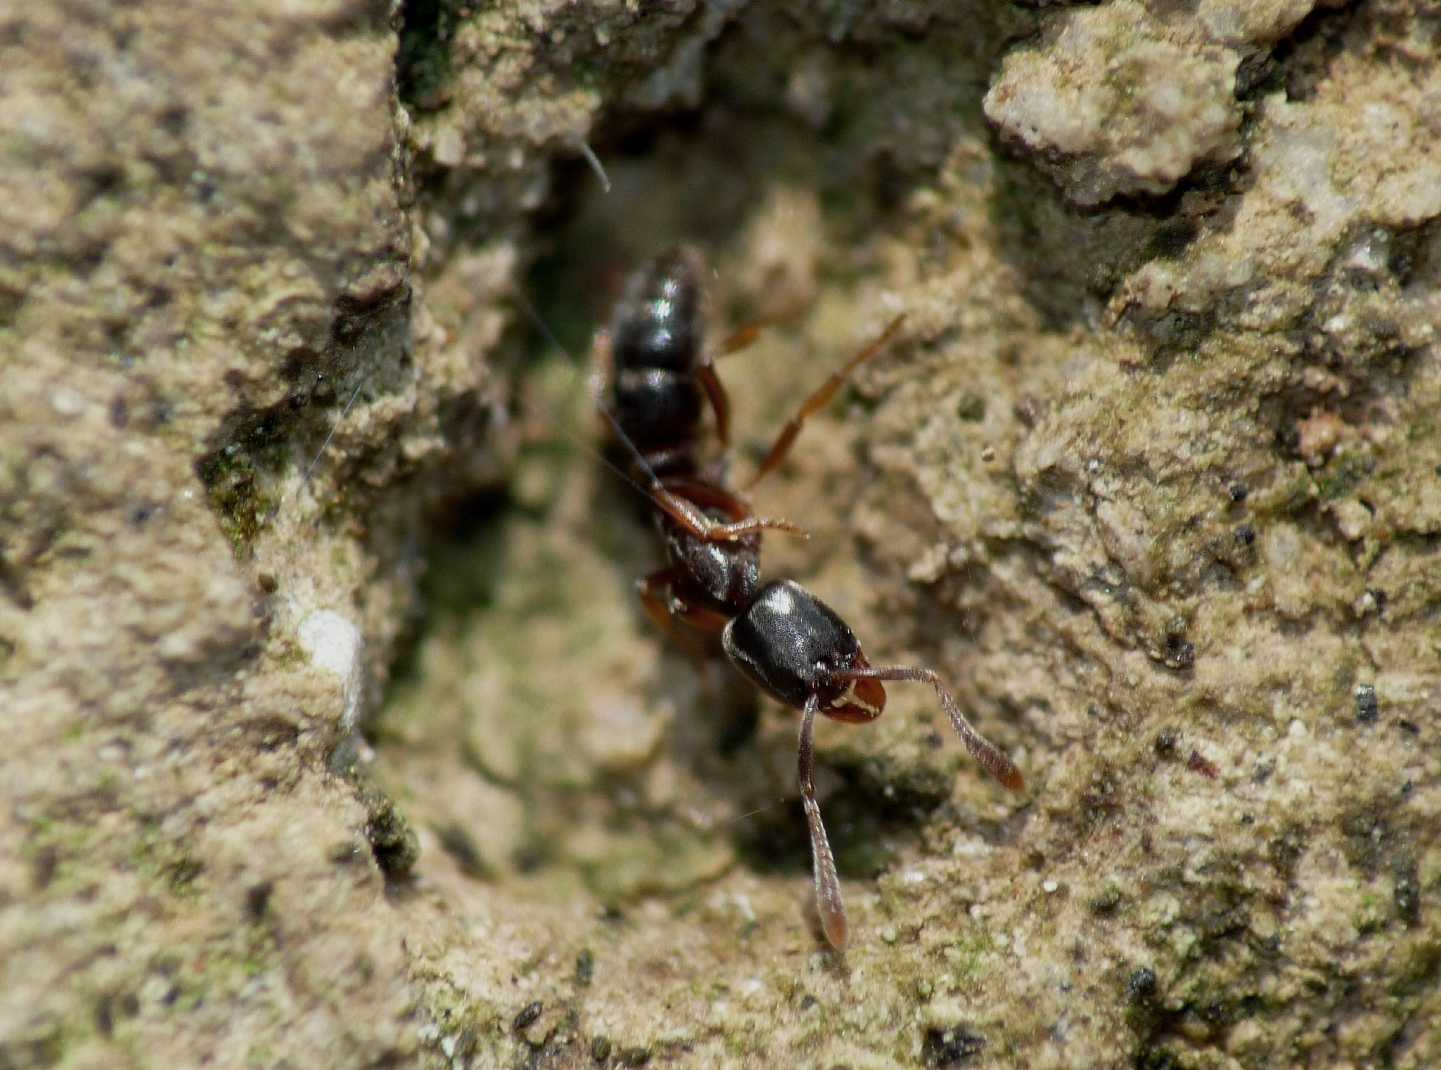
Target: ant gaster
[781, 637]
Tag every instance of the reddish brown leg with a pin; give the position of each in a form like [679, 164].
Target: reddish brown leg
[719, 400]
[710, 381]
[991, 757]
[739, 340]
[829, 905]
[817, 401]
[654, 591]
[689, 516]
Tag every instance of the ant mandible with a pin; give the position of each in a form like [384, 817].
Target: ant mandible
[781, 637]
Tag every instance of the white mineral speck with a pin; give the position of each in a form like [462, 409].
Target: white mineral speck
[335, 644]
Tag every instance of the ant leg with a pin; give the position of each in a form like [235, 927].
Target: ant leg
[991, 757]
[719, 400]
[710, 381]
[740, 339]
[828, 885]
[688, 516]
[706, 373]
[817, 401]
[654, 591]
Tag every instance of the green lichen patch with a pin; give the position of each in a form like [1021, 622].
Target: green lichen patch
[237, 476]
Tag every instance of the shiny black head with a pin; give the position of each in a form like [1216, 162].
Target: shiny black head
[658, 325]
[791, 645]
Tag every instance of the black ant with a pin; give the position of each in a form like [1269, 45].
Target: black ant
[778, 635]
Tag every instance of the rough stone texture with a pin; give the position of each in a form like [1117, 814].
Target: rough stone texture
[1156, 485]
[1129, 98]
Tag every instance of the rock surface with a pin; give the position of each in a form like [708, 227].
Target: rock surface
[336, 736]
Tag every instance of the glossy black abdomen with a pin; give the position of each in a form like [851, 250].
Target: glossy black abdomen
[658, 324]
[655, 349]
[656, 406]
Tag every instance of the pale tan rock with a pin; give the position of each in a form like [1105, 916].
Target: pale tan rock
[1153, 486]
[1116, 104]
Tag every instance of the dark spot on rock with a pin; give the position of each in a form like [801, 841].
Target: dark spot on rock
[1407, 891]
[1246, 535]
[267, 583]
[1180, 652]
[634, 1057]
[528, 1015]
[182, 873]
[600, 1049]
[298, 362]
[953, 1046]
[1199, 763]
[43, 866]
[1156, 1059]
[1165, 744]
[1141, 985]
[105, 1015]
[971, 408]
[808, 1001]
[585, 966]
[1238, 492]
[141, 514]
[119, 412]
[257, 899]
[392, 840]
[1105, 904]
[458, 843]
[1171, 239]
[270, 733]
[1411, 728]
[1367, 709]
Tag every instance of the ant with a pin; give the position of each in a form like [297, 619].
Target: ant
[777, 634]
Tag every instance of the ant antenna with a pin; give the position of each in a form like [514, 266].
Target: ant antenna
[310, 468]
[591, 158]
[315, 461]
